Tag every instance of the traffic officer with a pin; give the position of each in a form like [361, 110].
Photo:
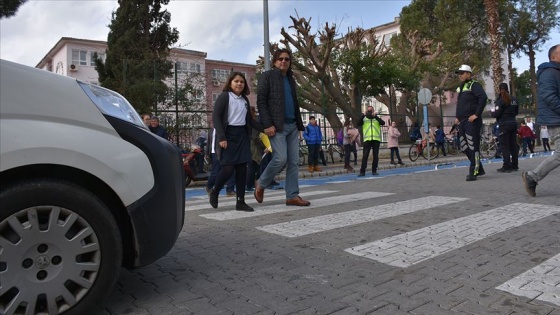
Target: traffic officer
[505, 111]
[371, 129]
[470, 104]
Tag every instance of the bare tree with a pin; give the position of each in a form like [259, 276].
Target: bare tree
[335, 73]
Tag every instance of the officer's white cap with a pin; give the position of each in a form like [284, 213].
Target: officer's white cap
[464, 68]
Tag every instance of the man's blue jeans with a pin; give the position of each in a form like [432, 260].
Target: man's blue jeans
[551, 162]
[285, 152]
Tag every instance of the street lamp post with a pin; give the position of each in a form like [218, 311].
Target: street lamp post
[266, 38]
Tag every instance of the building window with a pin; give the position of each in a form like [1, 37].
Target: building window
[182, 67]
[99, 55]
[195, 67]
[387, 39]
[79, 57]
[220, 75]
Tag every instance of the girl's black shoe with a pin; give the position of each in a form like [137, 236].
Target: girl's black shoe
[214, 198]
[242, 206]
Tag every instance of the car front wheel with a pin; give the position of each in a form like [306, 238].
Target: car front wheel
[60, 249]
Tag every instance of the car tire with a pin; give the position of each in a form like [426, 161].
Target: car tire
[61, 249]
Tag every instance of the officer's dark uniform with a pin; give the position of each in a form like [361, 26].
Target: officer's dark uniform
[505, 116]
[471, 101]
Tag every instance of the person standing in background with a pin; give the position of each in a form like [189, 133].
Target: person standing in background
[529, 123]
[527, 136]
[544, 138]
[440, 139]
[505, 110]
[158, 129]
[354, 141]
[313, 138]
[371, 129]
[347, 143]
[146, 118]
[393, 143]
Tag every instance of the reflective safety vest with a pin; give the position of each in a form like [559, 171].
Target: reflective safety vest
[466, 87]
[371, 129]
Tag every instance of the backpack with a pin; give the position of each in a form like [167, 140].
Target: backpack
[415, 134]
[340, 137]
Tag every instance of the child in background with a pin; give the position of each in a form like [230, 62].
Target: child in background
[544, 137]
[527, 136]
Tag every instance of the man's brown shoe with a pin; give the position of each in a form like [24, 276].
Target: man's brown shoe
[259, 192]
[310, 169]
[316, 168]
[297, 201]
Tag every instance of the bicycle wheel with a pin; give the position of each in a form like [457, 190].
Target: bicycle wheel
[434, 152]
[492, 150]
[483, 149]
[302, 158]
[330, 150]
[451, 148]
[207, 167]
[413, 153]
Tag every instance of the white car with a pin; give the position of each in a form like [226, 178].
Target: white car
[85, 188]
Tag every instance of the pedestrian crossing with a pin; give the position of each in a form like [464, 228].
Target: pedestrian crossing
[407, 249]
[317, 203]
[404, 250]
[541, 282]
[202, 203]
[338, 220]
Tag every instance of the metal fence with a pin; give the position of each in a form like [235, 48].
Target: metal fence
[188, 130]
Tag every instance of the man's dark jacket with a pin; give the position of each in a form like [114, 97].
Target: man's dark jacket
[271, 102]
[470, 102]
[548, 98]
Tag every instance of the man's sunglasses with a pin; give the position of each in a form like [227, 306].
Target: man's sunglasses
[284, 59]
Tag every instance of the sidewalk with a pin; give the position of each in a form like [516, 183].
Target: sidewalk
[337, 168]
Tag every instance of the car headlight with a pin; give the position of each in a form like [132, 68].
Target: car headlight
[112, 103]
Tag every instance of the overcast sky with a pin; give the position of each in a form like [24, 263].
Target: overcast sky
[226, 30]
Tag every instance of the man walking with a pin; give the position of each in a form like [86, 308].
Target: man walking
[470, 104]
[548, 102]
[279, 112]
[371, 129]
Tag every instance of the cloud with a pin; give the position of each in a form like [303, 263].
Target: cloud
[38, 25]
[217, 27]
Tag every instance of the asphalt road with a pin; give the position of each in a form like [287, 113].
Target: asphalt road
[414, 240]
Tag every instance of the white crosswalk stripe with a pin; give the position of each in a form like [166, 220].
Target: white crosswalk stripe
[315, 203]
[195, 203]
[411, 248]
[230, 201]
[338, 220]
[541, 282]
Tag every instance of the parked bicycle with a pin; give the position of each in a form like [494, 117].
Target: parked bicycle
[451, 146]
[420, 148]
[303, 153]
[488, 146]
[334, 149]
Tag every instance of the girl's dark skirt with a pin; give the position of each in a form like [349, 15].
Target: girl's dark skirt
[238, 149]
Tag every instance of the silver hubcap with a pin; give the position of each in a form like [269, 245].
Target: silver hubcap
[49, 259]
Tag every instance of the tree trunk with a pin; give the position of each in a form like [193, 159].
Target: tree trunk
[495, 47]
[510, 69]
[533, 78]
